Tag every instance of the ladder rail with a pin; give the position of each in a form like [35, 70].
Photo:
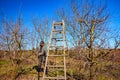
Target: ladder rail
[64, 49]
[47, 53]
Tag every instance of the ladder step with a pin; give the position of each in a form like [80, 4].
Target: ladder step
[56, 69]
[59, 31]
[55, 78]
[56, 55]
[58, 24]
[58, 38]
[56, 46]
[55, 66]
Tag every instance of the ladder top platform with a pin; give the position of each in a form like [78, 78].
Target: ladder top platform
[57, 23]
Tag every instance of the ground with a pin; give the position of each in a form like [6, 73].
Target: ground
[105, 69]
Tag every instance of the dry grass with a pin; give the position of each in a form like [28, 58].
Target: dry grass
[104, 69]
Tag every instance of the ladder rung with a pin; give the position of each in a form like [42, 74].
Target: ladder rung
[56, 46]
[56, 55]
[57, 31]
[56, 69]
[58, 38]
[58, 23]
[54, 77]
[56, 66]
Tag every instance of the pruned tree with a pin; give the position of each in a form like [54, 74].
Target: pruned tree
[13, 38]
[86, 25]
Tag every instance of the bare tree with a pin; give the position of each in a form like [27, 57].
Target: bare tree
[41, 30]
[116, 39]
[13, 38]
[86, 25]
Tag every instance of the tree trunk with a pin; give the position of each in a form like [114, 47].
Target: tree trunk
[91, 52]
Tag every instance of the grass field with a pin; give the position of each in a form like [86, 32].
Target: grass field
[107, 68]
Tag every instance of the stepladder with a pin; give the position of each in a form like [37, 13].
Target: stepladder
[55, 65]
